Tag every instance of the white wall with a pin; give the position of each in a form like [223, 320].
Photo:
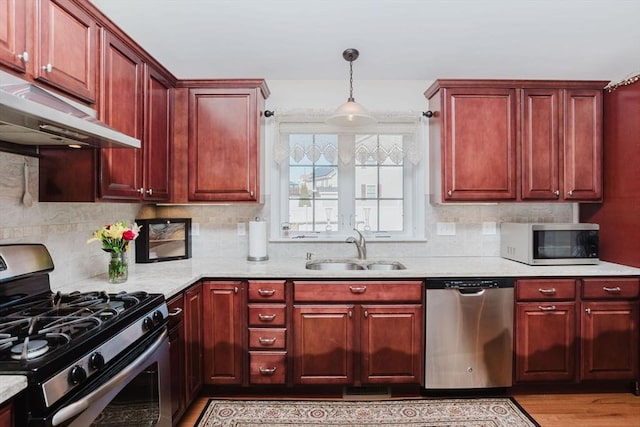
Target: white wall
[65, 227]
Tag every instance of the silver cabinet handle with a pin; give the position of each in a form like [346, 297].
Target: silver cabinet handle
[547, 308]
[176, 312]
[358, 289]
[266, 292]
[140, 190]
[149, 192]
[570, 192]
[24, 56]
[268, 371]
[366, 314]
[267, 341]
[266, 317]
[557, 193]
[235, 290]
[615, 290]
[551, 291]
[350, 314]
[449, 193]
[587, 310]
[48, 68]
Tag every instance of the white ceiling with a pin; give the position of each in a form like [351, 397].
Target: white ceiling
[397, 39]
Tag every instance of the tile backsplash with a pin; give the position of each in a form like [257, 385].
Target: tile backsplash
[65, 227]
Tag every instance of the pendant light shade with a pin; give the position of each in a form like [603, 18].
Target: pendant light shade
[350, 114]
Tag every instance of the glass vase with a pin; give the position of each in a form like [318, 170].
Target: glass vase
[118, 267]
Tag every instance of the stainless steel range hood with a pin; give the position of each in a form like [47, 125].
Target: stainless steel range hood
[32, 116]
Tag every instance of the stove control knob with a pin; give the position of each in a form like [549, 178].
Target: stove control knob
[147, 324]
[77, 375]
[96, 361]
[157, 316]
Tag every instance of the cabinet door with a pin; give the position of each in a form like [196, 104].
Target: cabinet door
[177, 348]
[6, 415]
[193, 327]
[223, 337]
[540, 143]
[479, 152]
[545, 341]
[121, 168]
[583, 145]
[67, 48]
[323, 344]
[223, 144]
[155, 150]
[391, 344]
[609, 340]
[13, 34]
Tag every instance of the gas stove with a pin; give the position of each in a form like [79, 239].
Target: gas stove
[67, 344]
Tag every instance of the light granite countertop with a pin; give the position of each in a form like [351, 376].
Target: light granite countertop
[171, 277]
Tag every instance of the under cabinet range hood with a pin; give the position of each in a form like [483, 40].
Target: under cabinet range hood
[33, 116]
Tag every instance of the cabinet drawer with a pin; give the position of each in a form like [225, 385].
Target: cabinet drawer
[267, 338]
[266, 314]
[176, 310]
[546, 290]
[267, 367]
[610, 288]
[266, 290]
[353, 291]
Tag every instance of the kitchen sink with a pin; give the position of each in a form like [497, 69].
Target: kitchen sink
[342, 265]
[334, 265]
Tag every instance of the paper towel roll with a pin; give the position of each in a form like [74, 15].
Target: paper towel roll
[257, 241]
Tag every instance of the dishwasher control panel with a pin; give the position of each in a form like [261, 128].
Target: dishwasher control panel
[464, 283]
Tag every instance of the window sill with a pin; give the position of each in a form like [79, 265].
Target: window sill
[340, 239]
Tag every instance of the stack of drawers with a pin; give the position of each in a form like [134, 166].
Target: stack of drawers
[267, 332]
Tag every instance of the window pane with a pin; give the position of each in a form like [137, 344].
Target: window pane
[313, 183]
[391, 184]
[367, 182]
[391, 215]
[367, 215]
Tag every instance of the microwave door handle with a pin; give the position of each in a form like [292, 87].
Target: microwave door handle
[78, 406]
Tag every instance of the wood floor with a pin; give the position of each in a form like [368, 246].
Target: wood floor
[549, 410]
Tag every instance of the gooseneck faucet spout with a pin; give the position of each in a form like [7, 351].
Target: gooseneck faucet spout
[361, 244]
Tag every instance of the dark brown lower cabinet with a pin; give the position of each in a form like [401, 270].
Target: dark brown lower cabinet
[224, 308]
[358, 332]
[577, 333]
[6, 415]
[193, 334]
[545, 341]
[177, 346]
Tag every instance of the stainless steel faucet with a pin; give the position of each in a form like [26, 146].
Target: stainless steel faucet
[361, 244]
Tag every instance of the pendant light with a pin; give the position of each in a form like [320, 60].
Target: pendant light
[350, 113]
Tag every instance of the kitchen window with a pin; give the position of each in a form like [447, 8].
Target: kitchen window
[328, 181]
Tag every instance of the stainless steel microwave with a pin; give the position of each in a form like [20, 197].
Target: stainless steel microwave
[550, 243]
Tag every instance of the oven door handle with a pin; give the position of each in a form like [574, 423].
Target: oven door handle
[78, 406]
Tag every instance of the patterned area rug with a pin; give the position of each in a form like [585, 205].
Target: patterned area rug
[481, 412]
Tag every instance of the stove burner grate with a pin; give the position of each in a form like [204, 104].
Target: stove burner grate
[33, 349]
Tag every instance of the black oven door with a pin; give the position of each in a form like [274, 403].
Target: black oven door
[134, 392]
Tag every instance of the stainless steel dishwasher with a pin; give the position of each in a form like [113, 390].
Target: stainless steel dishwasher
[469, 333]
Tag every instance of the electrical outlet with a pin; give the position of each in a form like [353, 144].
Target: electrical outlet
[195, 229]
[446, 228]
[489, 227]
[242, 229]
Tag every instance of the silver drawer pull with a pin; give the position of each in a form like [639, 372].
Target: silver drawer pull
[358, 289]
[266, 317]
[176, 312]
[615, 290]
[266, 292]
[551, 291]
[267, 341]
[268, 371]
[547, 308]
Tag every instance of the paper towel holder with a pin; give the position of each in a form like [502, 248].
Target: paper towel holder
[250, 257]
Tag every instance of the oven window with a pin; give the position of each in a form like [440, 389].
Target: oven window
[554, 244]
[138, 404]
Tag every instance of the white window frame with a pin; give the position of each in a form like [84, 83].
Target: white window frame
[414, 196]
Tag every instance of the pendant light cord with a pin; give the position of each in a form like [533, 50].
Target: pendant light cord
[351, 82]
